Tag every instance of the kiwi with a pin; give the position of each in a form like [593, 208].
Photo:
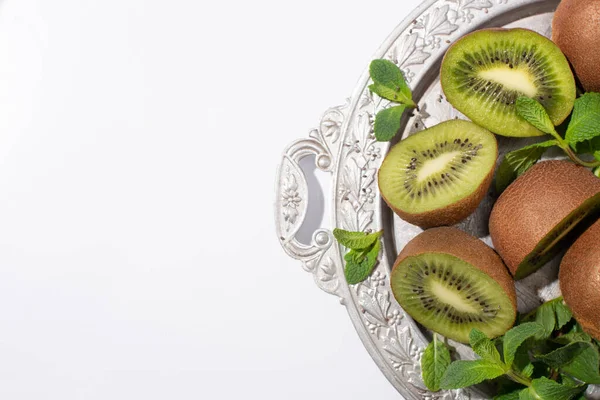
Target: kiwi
[579, 279]
[485, 72]
[539, 210]
[576, 31]
[439, 176]
[451, 282]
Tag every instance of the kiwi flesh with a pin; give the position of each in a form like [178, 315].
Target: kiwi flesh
[440, 175]
[484, 73]
[451, 282]
[540, 210]
[579, 279]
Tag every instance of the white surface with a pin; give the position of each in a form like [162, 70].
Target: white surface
[127, 137]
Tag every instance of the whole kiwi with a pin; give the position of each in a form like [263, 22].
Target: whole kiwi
[579, 279]
[538, 210]
[576, 30]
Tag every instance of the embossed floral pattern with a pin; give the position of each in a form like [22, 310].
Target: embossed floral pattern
[290, 199]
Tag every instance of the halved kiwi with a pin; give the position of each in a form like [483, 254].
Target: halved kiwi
[451, 282]
[539, 210]
[580, 280]
[485, 72]
[439, 176]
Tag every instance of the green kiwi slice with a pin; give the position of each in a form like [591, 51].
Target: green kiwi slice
[484, 73]
[440, 175]
[452, 282]
[451, 297]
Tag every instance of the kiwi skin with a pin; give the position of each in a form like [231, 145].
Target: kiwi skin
[532, 206]
[450, 215]
[466, 247]
[576, 31]
[579, 279]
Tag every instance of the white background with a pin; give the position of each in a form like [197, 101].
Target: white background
[139, 141]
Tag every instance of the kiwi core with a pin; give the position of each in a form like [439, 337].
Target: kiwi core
[451, 297]
[518, 80]
[436, 165]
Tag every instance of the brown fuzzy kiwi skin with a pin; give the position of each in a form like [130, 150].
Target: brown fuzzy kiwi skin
[579, 279]
[459, 244]
[534, 204]
[576, 31]
[451, 214]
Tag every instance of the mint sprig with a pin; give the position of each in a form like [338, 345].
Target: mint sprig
[582, 136]
[362, 257]
[389, 84]
[546, 356]
[434, 363]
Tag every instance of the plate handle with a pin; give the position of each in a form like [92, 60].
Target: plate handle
[291, 203]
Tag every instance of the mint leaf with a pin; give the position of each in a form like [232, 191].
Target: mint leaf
[585, 121]
[546, 389]
[545, 315]
[357, 272]
[508, 396]
[390, 94]
[387, 123]
[534, 113]
[515, 337]
[483, 346]
[355, 240]
[563, 314]
[522, 361]
[597, 172]
[563, 355]
[527, 394]
[462, 374]
[571, 337]
[389, 82]
[434, 363]
[517, 162]
[585, 365]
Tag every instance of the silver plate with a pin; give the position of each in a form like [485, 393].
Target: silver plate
[344, 146]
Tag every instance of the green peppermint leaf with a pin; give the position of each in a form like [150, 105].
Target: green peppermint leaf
[389, 82]
[597, 172]
[585, 121]
[585, 366]
[572, 337]
[563, 355]
[527, 394]
[563, 314]
[387, 123]
[508, 396]
[546, 389]
[356, 240]
[545, 315]
[434, 363]
[357, 272]
[522, 361]
[517, 162]
[515, 337]
[483, 346]
[534, 113]
[391, 94]
[462, 374]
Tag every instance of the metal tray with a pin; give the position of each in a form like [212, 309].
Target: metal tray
[343, 145]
